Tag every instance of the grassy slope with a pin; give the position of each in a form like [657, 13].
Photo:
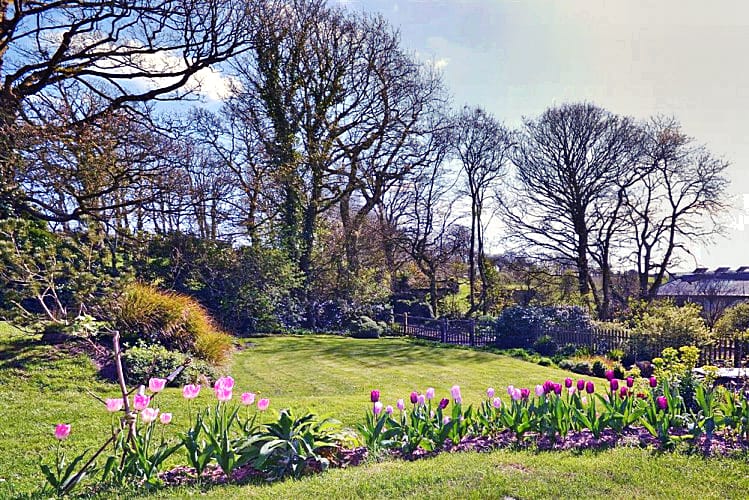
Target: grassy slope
[331, 375]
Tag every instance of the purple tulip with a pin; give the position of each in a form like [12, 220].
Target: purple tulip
[490, 392]
[580, 385]
[662, 402]
[444, 402]
[623, 392]
[389, 409]
[548, 387]
[421, 400]
[525, 393]
[455, 393]
[653, 382]
[590, 388]
[496, 402]
[568, 382]
[430, 393]
[400, 404]
[609, 374]
[414, 397]
[614, 384]
[558, 389]
[374, 396]
[630, 382]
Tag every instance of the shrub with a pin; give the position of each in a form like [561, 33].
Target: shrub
[545, 362]
[734, 322]
[143, 362]
[521, 326]
[615, 354]
[583, 368]
[566, 364]
[619, 371]
[365, 327]
[568, 350]
[545, 345]
[598, 368]
[174, 321]
[662, 324]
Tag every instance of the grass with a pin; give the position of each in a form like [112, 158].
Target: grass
[41, 385]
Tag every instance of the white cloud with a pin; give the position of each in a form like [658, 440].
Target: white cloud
[441, 63]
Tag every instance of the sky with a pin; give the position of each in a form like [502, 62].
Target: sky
[516, 58]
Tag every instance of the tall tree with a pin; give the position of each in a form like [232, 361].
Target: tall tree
[675, 203]
[569, 165]
[483, 146]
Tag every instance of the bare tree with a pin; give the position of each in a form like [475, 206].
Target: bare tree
[483, 147]
[122, 52]
[569, 166]
[675, 203]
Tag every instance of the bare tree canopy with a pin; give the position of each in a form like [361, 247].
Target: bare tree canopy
[119, 53]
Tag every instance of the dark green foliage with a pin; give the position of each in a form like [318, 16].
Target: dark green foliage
[583, 368]
[521, 326]
[566, 364]
[619, 371]
[365, 327]
[248, 289]
[598, 369]
[545, 346]
[142, 362]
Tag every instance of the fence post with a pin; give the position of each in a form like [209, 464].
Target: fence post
[738, 352]
[405, 323]
[472, 332]
[443, 331]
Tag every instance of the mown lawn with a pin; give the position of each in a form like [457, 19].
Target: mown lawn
[41, 385]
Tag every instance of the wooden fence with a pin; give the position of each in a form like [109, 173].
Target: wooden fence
[599, 339]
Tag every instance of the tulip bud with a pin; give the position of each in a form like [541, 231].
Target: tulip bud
[444, 402]
[653, 382]
[414, 397]
[374, 396]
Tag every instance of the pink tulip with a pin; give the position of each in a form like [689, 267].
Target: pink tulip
[141, 401]
[430, 393]
[571, 391]
[540, 390]
[377, 408]
[165, 418]
[445, 420]
[455, 393]
[248, 398]
[263, 404]
[516, 394]
[490, 392]
[156, 384]
[114, 405]
[62, 431]
[496, 402]
[148, 415]
[225, 383]
[389, 409]
[222, 394]
[190, 391]
[510, 390]
[400, 404]
[421, 400]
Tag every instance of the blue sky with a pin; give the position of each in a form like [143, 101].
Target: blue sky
[637, 58]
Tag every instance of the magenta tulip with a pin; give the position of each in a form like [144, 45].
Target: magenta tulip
[414, 397]
[62, 431]
[580, 385]
[165, 418]
[630, 382]
[568, 382]
[525, 393]
[263, 404]
[623, 392]
[662, 402]
[223, 394]
[653, 382]
[190, 391]
[444, 402]
[590, 387]
[558, 389]
[156, 384]
[248, 398]
[141, 401]
[609, 374]
[374, 396]
[614, 384]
